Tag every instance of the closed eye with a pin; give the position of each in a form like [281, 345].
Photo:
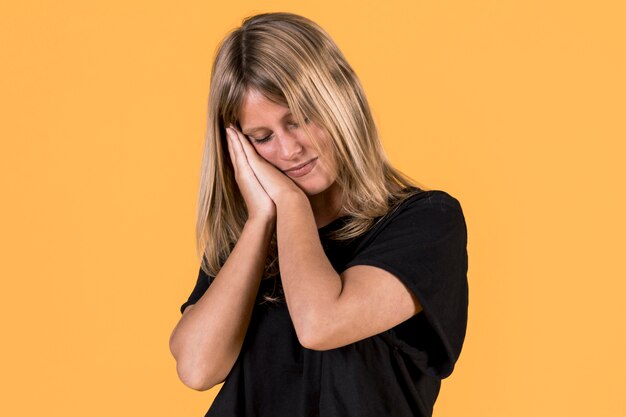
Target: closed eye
[261, 140]
[296, 125]
[267, 138]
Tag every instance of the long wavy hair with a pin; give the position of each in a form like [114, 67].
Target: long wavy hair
[292, 61]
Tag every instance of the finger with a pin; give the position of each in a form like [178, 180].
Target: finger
[246, 146]
[238, 150]
[232, 151]
[249, 151]
[264, 171]
[235, 145]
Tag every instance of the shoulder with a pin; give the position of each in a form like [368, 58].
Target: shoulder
[426, 207]
[430, 198]
[423, 216]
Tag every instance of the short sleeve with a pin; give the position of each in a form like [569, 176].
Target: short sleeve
[202, 284]
[424, 243]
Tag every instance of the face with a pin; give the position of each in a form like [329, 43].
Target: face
[276, 136]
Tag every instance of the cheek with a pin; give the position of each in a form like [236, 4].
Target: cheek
[329, 156]
[265, 152]
[331, 166]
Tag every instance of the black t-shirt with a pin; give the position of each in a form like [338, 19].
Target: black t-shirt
[396, 373]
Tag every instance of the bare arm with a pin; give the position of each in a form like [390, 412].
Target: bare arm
[358, 303]
[328, 309]
[208, 338]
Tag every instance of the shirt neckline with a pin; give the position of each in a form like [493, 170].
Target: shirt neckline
[332, 224]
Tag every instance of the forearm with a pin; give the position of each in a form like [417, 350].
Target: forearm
[208, 338]
[310, 282]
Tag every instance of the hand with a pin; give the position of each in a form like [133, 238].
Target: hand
[258, 202]
[274, 182]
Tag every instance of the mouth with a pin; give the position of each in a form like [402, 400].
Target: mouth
[300, 166]
[303, 169]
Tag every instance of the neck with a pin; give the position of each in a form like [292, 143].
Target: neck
[325, 205]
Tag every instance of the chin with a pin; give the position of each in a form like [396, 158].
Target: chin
[313, 187]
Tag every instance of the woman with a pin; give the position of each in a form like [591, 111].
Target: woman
[330, 284]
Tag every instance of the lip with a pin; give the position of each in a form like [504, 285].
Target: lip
[302, 169]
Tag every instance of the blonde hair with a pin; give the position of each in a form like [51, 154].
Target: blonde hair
[293, 62]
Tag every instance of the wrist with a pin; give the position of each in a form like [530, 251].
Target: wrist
[289, 197]
[261, 220]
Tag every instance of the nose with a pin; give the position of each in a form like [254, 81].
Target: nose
[289, 146]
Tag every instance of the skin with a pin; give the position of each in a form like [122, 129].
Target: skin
[360, 302]
[285, 146]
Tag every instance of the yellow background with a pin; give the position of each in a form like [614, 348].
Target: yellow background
[517, 108]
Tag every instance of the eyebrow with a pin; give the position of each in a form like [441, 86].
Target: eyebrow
[254, 129]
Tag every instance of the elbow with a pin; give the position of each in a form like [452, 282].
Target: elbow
[311, 334]
[192, 374]
[196, 379]
[316, 324]
[197, 384]
[304, 332]
[304, 339]
[322, 332]
[310, 344]
[314, 342]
